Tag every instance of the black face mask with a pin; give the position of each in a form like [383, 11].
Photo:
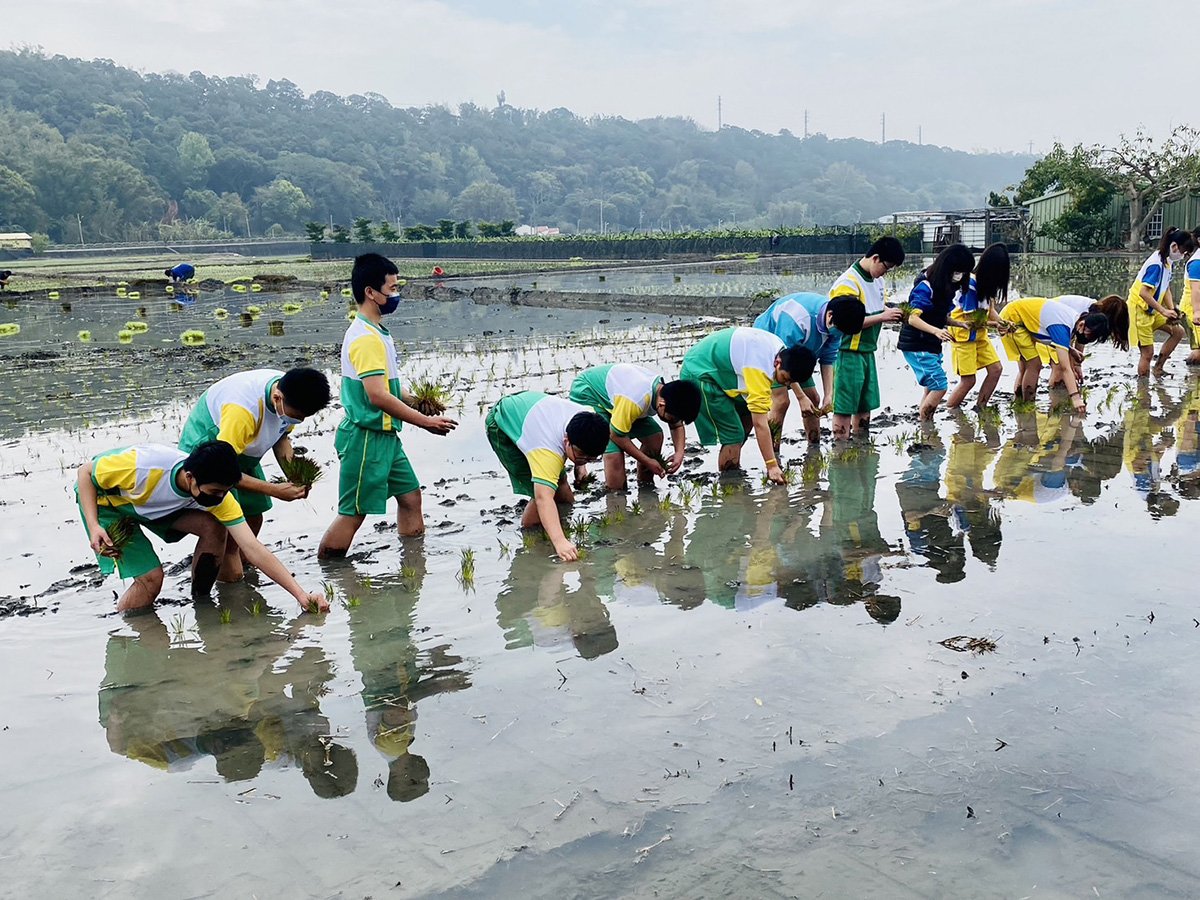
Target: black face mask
[207, 500]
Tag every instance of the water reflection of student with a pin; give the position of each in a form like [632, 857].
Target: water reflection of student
[546, 604]
[973, 447]
[1147, 438]
[1185, 474]
[843, 564]
[927, 524]
[168, 701]
[396, 674]
[637, 571]
[1033, 466]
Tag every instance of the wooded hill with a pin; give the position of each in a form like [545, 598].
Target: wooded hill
[126, 152]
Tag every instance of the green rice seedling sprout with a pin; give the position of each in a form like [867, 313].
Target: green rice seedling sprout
[618, 517]
[254, 310]
[121, 532]
[635, 508]
[505, 550]
[220, 313]
[8, 329]
[328, 588]
[408, 577]
[989, 415]
[466, 567]
[137, 327]
[352, 602]
[1021, 406]
[290, 309]
[125, 336]
[430, 397]
[85, 336]
[529, 540]
[776, 429]
[256, 608]
[665, 505]
[193, 337]
[177, 627]
[300, 470]
[226, 616]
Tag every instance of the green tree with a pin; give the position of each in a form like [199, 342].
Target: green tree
[341, 234]
[445, 229]
[386, 233]
[195, 159]
[486, 200]
[1086, 224]
[362, 230]
[314, 231]
[1149, 175]
[18, 201]
[282, 202]
[462, 230]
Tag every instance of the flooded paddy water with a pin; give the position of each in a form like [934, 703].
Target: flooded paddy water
[739, 690]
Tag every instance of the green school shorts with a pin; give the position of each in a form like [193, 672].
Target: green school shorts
[855, 384]
[723, 419]
[138, 556]
[373, 468]
[510, 455]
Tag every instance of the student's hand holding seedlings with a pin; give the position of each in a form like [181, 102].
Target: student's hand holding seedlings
[101, 540]
[439, 424]
[288, 492]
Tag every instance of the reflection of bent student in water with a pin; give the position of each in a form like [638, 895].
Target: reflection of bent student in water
[927, 524]
[842, 565]
[972, 510]
[1185, 474]
[168, 701]
[1033, 466]
[1147, 438]
[545, 604]
[396, 674]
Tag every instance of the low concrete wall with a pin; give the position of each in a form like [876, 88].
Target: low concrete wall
[667, 304]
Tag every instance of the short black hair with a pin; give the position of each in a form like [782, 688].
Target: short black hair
[167, 272]
[682, 399]
[848, 314]
[370, 271]
[214, 462]
[888, 249]
[305, 390]
[798, 362]
[1097, 324]
[588, 432]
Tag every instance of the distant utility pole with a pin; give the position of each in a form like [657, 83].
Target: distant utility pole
[883, 128]
[718, 112]
[918, 135]
[1031, 148]
[806, 123]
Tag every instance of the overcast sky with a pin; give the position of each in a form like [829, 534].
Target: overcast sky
[972, 75]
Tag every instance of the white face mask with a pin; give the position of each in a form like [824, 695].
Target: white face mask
[1175, 256]
[956, 277]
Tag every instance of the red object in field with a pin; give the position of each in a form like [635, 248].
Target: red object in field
[437, 270]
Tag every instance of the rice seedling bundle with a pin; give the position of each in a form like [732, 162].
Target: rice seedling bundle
[137, 327]
[8, 329]
[121, 532]
[192, 338]
[300, 470]
[430, 398]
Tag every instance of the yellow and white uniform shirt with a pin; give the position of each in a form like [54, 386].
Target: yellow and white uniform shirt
[238, 410]
[140, 481]
[368, 349]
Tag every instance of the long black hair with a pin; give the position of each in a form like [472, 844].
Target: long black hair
[955, 258]
[1177, 236]
[991, 274]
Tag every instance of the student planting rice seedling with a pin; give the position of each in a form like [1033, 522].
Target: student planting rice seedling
[535, 435]
[255, 412]
[171, 493]
[818, 323]
[1151, 303]
[629, 398]
[374, 465]
[737, 368]
[1043, 327]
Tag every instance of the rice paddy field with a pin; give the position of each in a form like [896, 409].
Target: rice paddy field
[951, 660]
